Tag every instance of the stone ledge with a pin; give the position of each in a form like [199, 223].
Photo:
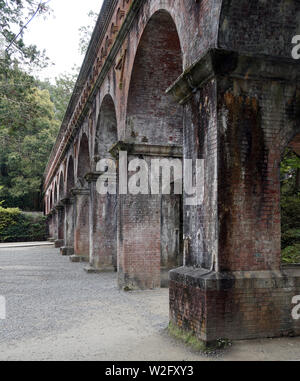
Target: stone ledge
[146, 149]
[78, 258]
[219, 62]
[94, 270]
[67, 251]
[289, 277]
[58, 243]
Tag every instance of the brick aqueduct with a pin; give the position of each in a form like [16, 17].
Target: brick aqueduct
[195, 79]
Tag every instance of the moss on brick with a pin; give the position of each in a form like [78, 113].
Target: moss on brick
[190, 339]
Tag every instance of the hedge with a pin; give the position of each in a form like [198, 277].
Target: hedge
[290, 228]
[16, 226]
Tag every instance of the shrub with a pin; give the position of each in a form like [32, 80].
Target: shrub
[16, 226]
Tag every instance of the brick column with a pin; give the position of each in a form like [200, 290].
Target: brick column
[68, 249]
[60, 216]
[50, 226]
[103, 228]
[81, 225]
[142, 231]
[240, 114]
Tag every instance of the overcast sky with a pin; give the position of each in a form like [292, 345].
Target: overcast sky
[59, 35]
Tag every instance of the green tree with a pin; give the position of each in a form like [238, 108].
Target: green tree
[61, 91]
[290, 207]
[26, 138]
[86, 32]
[15, 17]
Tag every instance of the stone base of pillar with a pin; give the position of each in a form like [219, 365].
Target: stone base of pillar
[67, 251]
[58, 243]
[78, 258]
[235, 306]
[94, 270]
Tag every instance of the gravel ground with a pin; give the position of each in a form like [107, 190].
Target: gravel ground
[55, 311]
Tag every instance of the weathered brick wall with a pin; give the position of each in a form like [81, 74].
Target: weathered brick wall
[104, 231]
[200, 142]
[258, 26]
[243, 305]
[81, 229]
[69, 224]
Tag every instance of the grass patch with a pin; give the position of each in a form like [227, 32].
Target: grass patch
[189, 339]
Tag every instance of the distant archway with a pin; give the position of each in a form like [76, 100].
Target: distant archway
[106, 130]
[84, 162]
[61, 190]
[55, 194]
[70, 175]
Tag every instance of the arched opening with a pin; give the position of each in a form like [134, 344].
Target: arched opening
[61, 209]
[151, 116]
[61, 187]
[70, 176]
[69, 207]
[55, 194]
[151, 225]
[290, 203]
[82, 232]
[106, 131]
[104, 212]
[84, 163]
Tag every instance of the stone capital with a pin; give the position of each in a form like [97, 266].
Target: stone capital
[59, 206]
[92, 177]
[146, 150]
[67, 201]
[80, 192]
[217, 63]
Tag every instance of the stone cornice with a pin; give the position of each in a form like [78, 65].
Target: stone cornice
[92, 177]
[80, 192]
[146, 150]
[218, 63]
[59, 206]
[67, 201]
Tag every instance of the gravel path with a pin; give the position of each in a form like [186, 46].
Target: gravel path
[55, 311]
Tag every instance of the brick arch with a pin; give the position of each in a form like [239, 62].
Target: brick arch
[151, 116]
[51, 200]
[70, 180]
[61, 186]
[55, 195]
[83, 160]
[106, 134]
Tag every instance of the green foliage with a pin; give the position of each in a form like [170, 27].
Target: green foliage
[291, 254]
[61, 91]
[197, 345]
[15, 17]
[86, 32]
[290, 207]
[28, 129]
[16, 226]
